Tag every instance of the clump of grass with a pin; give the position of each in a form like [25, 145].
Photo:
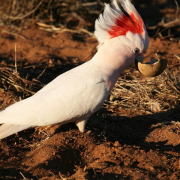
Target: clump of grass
[70, 14]
[150, 95]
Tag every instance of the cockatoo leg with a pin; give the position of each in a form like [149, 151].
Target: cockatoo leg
[81, 125]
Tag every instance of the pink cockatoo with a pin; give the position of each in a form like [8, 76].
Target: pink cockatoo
[75, 95]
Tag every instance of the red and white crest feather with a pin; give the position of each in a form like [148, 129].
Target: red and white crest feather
[114, 22]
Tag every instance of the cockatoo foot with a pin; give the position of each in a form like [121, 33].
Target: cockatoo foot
[81, 125]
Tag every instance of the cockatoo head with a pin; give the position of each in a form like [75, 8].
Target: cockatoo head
[126, 26]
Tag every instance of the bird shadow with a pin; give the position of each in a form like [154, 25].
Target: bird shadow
[133, 131]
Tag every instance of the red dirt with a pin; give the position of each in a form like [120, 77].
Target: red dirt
[129, 145]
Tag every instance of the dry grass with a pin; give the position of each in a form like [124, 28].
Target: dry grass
[149, 95]
[11, 80]
[69, 14]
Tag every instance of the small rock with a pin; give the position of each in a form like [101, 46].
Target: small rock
[155, 107]
[149, 167]
[116, 144]
[111, 98]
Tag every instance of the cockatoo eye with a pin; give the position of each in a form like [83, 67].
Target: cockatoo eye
[136, 50]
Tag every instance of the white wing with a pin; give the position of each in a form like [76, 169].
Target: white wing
[71, 96]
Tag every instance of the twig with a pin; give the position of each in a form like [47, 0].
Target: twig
[25, 15]
[5, 76]
[177, 9]
[15, 64]
[41, 73]
[24, 178]
[17, 86]
[177, 56]
[47, 26]
[174, 86]
[173, 23]
[22, 175]
[51, 28]
[89, 4]
[14, 34]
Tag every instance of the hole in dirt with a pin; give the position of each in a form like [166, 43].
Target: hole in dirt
[18, 137]
[67, 160]
[66, 127]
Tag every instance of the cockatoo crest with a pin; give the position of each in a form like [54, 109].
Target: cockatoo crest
[114, 22]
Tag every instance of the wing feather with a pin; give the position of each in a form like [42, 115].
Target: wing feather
[9, 129]
[64, 99]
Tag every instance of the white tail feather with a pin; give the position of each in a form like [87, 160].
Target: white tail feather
[9, 129]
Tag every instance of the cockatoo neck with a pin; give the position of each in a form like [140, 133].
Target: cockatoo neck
[114, 57]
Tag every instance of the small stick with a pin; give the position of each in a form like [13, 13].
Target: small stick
[177, 56]
[177, 6]
[15, 65]
[13, 34]
[26, 15]
[22, 175]
[41, 73]
[160, 35]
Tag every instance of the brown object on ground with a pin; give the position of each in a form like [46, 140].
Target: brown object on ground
[152, 68]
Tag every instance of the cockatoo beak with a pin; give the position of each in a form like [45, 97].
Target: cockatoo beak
[140, 58]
